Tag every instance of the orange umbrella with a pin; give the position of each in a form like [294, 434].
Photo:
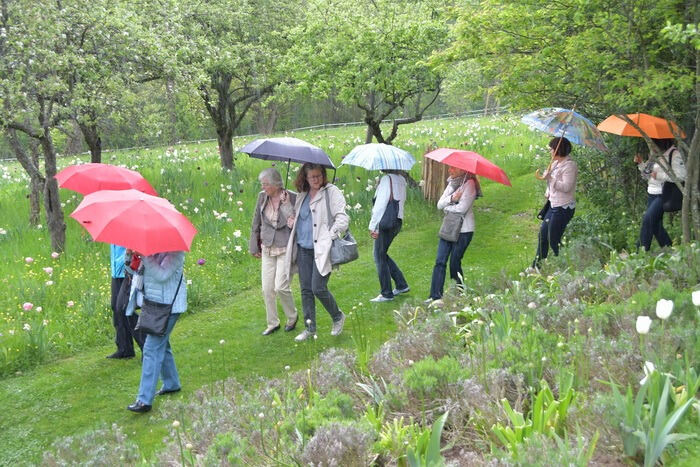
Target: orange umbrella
[654, 127]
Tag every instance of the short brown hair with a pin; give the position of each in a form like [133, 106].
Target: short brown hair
[302, 184]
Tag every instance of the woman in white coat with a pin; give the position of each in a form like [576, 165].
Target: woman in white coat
[313, 230]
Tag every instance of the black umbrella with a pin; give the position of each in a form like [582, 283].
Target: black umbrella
[287, 149]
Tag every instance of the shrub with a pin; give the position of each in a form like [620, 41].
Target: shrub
[338, 444]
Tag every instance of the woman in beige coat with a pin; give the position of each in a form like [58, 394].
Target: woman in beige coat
[313, 230]
[269, 236]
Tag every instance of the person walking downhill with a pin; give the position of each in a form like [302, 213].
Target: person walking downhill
[319, 219]
[163, 282]
[561, 178]
[459, 195]
[652, 222]
[391, 189]
[269, 236]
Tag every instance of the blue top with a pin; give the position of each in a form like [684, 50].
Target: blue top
[116, 260]
[304, 230]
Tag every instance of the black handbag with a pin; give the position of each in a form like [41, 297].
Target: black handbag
[671, 195]
[154, 316]
[391, 213]
[543, 211]
[343, 250]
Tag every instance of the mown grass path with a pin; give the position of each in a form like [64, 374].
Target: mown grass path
[87, 391]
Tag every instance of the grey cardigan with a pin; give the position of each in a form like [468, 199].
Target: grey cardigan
[263, 232]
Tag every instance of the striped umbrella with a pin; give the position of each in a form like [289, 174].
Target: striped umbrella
[379, 156]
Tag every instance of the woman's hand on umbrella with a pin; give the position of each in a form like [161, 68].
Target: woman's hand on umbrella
[374, 234]
[457, 195]
[538, 176]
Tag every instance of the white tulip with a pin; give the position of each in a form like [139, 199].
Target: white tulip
[664, 308]
[696, 297]
[643, 324]
[648, 368]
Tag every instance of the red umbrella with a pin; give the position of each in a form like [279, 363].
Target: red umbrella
[471, 162]
[92, 177]
[135, 220]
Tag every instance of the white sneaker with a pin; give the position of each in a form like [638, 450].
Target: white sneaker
[381, 298]
[428, 301]
[400, 291]
[338, 325]
[305, 334]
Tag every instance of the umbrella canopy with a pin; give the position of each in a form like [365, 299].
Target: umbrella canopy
[130, 218]
[471, 162]
[564, 122]
[92, 177]
[379, 156]
[654, 127]
[287, 149]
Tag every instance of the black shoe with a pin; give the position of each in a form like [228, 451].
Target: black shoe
[116, 354]
[139, 407]
[269, 331]
[128, 356]
[290, 327]
[167, 391]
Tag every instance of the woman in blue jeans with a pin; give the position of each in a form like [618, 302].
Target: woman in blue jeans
[459, 195]
[561, 178]
[163, 282]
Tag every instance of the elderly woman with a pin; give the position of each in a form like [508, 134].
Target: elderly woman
[459, 195]
[319, 219]
[561, 189]
[163, 282]
[268, 240]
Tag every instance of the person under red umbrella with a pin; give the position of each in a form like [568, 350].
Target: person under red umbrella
[462, 189]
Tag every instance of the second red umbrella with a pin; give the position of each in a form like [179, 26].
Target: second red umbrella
[135, 220]
[471, 162]
[92, 177]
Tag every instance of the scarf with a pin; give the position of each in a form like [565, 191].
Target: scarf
[457, 182]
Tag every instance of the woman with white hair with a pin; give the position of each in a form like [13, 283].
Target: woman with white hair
[268, 240]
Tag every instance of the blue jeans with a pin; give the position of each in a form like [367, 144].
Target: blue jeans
[551, 231]
[454, 251]
[653, 224]
[158, 361]
[313, 285]
[386, 267]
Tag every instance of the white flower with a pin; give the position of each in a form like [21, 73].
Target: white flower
[176, 424]
[532, 305]
[696, 297]
[70, 303]
[237, 233]
[49, 282]
[27, 306]
[27, 327]
[648, 368]
[48, 270]
[238, 248]
[240, 203]
[261, 415]
[664, 308]
[357, 207]
[188, 446]
[210, 351]
[222, 342]
[29, 260]
[287, 367]
[643, 324]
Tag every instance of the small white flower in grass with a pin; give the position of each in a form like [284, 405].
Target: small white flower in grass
[210, 351]
[222, 342]
[308, 321]
[45, 322]
[240, 203]
[287, 368]
[55, 255]
[648, 368]
[176, 424]
[196, 209]
[261, 415]
[410, 362]
[696, 297]
[49, 282]
[237, 233]
[532, 305]
[664, 308]
[315, 336]
[70, 303]
[188, 446]
[39, 309]
[189, 281]
[357, 207]
[240, 209]
[544, 359]
[643, 324]
[27, 327]
[48, 270]
[29, 260]
[238, 248]
[560, 345]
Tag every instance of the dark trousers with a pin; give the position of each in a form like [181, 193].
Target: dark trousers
[551, 231]
[454, 251]
[386, 267]
[313, 285]
[653, 224]
[124, 325]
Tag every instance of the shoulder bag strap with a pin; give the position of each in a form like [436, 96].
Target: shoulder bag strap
[328, 209]
[176, 291]
[391, 189]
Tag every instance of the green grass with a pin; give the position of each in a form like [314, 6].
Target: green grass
[71, 388]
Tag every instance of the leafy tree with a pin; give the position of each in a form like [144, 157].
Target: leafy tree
[601, 56]
[373, 54]
[232, 52]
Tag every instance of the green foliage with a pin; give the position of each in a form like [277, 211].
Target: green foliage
[429, 377]
[426, 452]
[228, 447]
[335, 406]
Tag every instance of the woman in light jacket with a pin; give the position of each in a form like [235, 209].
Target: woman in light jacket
[313, 230]
[392, 186]
[269, 236]
[561, 178]
[652, 222]
[163, 282]
[459, 195]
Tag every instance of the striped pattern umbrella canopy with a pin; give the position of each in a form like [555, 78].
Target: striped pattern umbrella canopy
[565, 122]
[379, 156]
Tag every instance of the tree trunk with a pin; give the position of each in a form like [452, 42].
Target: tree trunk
[93, 140]
[37, 188]
[225, 138]
[171, 99]
[52, 201]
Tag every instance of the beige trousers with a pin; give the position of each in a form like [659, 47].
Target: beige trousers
[275, 286]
